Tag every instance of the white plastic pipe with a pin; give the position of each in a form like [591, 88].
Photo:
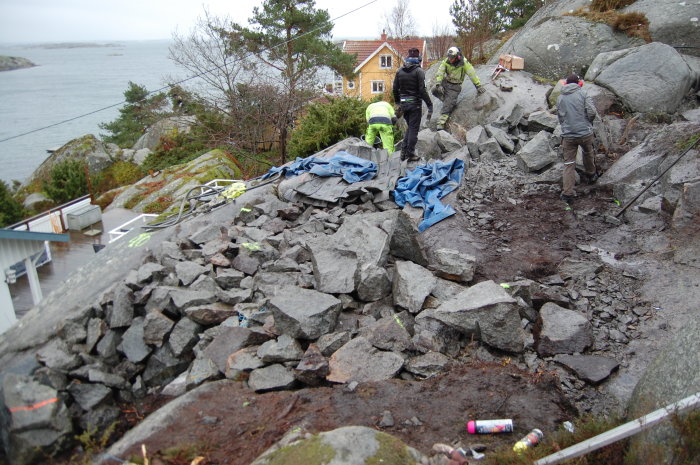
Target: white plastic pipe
[623, 431]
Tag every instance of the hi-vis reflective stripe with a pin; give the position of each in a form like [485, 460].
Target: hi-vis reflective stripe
[24, 408]
[140, 240]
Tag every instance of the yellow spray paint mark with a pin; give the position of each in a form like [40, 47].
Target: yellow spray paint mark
[245, 209]
[505, 286]
[398, 320]
[139, 240]
[234, 190]
[252, 246]
[617, 202]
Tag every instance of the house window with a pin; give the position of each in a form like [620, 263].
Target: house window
[377, 87]
[385, 61]
[351, 84]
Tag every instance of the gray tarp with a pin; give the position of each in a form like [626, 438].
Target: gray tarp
[323, 191]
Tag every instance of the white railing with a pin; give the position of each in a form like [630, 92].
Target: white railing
[52, 221]
[122, 229]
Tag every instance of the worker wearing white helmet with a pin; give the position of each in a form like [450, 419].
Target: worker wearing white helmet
[448, 82]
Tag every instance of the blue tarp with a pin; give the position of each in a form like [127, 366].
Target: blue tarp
[426, 185]
[351, 168]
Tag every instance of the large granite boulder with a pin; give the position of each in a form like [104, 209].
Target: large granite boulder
[649, 78]
[163, 128]
[559, 45]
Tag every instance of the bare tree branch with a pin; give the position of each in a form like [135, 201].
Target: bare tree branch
[399, 23]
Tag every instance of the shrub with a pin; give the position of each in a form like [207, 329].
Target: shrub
[67, 181]
[328, 122]
[119, 174]
[174, 150]
[633, 24]
[605, 5]
[11, 211]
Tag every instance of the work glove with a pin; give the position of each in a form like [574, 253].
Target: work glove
[429, 116]
[394, 119]
[438, 91]
[398, 110]
[455, 456]
[480, 89]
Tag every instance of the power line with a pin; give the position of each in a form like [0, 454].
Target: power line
[169, 86]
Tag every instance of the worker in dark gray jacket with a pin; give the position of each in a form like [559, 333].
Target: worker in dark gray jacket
[576, 114]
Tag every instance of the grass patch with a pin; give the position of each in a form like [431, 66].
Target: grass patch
[311, 451]
[391, 450]
[584, 428]
[633, 24]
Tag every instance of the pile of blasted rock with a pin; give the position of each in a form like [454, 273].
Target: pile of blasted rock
[284, 296]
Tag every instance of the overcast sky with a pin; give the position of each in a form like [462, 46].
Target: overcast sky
[103, 20]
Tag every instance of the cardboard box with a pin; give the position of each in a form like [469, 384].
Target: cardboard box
[511, 62]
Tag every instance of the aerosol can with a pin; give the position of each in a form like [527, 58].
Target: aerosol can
[532, 439]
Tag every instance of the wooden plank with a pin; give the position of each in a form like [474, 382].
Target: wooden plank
[623, 431]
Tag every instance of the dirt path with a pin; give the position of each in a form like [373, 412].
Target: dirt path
[231, 425]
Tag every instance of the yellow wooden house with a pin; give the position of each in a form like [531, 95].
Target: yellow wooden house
[376, 65]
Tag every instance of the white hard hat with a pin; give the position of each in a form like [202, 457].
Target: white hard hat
[452, 52]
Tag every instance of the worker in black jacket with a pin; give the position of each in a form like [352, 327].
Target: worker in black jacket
[409, 95]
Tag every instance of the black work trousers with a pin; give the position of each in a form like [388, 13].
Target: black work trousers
[412, 113]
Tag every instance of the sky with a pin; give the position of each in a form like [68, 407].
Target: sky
[23, 21]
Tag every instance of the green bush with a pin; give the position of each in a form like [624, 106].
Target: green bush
[11, 211]
[326, 123]
[119, 174]
[67, 181]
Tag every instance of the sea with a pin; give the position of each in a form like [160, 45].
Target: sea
[73, 88]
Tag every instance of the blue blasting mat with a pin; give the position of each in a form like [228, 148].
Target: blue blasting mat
[426, 185]
[351, 168]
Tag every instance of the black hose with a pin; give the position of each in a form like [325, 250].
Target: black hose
[656, 179]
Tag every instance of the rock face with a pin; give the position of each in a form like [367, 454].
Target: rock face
[167, 127]
[670, 22]
[558, 45]
[157, 193]
[673, 376]
[95, 153]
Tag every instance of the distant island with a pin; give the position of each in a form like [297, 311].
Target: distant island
[59, 45]
[12, 63]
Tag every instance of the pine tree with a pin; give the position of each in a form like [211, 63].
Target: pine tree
[293, 39]
[139, 112]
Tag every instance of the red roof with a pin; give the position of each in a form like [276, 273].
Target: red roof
[366, 48]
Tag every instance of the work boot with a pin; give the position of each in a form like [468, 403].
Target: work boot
[567, 198]
[440, 127]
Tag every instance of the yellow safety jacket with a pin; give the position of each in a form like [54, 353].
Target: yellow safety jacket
[456, 73]
[380, 113]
